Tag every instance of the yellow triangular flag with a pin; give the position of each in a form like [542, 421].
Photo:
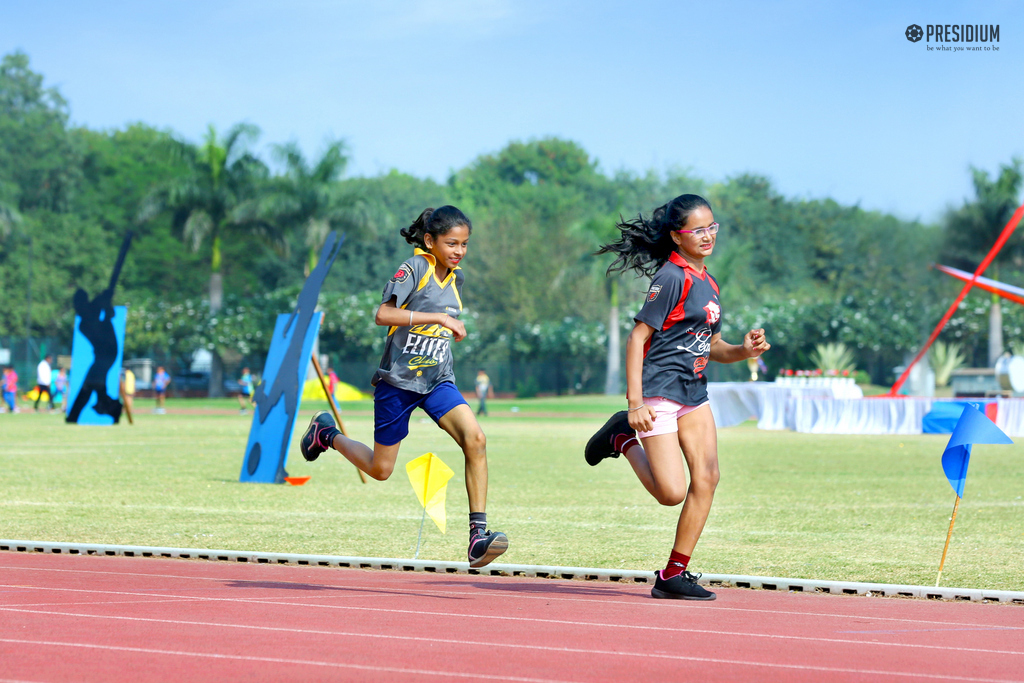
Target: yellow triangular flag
[429, 478]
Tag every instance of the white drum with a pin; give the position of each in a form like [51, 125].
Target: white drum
[1010, 372]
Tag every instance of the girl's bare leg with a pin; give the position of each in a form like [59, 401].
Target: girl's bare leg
[660, 469]
[379, 462]
[461, 424]
[698, 438]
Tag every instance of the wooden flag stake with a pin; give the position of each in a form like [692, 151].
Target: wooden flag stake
[426, 487]
[334, 407]
[949, 535]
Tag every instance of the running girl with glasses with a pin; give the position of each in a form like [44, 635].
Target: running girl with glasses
[420, 307]
[677, 331]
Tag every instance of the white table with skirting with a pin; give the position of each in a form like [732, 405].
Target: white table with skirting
[824, 405]
[769, 402]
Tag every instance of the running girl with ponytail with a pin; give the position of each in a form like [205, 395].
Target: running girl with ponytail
[420, 306]
[677, 331]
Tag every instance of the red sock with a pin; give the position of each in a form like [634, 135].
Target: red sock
[621, 442]
[676, 565]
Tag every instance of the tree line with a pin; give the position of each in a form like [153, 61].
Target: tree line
[225, 236]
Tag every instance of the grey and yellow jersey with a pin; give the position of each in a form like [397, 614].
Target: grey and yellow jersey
[418, 358]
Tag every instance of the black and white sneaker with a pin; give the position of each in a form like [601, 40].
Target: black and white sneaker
[312, 442]
[680, 587]
[483, 548]
[600, 445]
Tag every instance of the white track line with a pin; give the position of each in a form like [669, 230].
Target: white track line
[282, 660]
[656, 604]
[565, 622]
[841, 641]
[91, 604]
[712, 660]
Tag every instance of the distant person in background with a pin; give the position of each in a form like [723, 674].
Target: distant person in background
[332, 380]
[44, 375]
[10, 387]
[160, 381]
[129, 390]
[244, 391]
[60, 388]
[483, 391]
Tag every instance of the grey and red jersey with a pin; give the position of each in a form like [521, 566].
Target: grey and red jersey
[683, 308]
[418, 358]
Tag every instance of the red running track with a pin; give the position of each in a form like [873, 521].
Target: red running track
[80, 618]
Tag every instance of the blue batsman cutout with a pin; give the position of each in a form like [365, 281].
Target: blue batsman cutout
[267, 451]
[93, 395]
[278, 396]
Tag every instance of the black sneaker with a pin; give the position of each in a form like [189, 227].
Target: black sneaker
[680, 587]
[600, 445]
[483, 548]
[311, 443]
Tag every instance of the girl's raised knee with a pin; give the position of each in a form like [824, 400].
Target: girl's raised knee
[672, 496]
[382, 472]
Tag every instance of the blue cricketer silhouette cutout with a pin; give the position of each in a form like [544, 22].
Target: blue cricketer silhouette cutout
[287, 361]
[96, 353]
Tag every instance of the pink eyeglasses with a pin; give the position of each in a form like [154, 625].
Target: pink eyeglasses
[699, 233]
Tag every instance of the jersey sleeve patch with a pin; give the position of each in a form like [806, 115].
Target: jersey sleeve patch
[401, 285]
[403, 273]
[661, 297]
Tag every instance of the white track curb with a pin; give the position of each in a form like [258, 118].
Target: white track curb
[552, 572]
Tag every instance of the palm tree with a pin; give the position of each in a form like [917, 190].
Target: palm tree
[224, 173]
[9, 216]
[977, 225]
[307, 200]
[596, 232]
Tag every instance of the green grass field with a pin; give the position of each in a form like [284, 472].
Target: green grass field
[863, 508]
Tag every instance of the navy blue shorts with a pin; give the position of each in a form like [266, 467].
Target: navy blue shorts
[392, 408]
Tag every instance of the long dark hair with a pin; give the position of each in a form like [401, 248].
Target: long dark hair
[645, 244]
[435, 222]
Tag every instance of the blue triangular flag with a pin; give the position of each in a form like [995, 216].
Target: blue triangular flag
[972, 427]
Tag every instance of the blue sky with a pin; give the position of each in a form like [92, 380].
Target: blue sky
[823, 99]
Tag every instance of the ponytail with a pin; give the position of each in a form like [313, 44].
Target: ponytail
[644, 245]
[435, 222]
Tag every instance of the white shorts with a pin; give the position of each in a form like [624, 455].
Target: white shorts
[666, 414]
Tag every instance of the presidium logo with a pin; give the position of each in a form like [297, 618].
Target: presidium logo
[964, 36]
